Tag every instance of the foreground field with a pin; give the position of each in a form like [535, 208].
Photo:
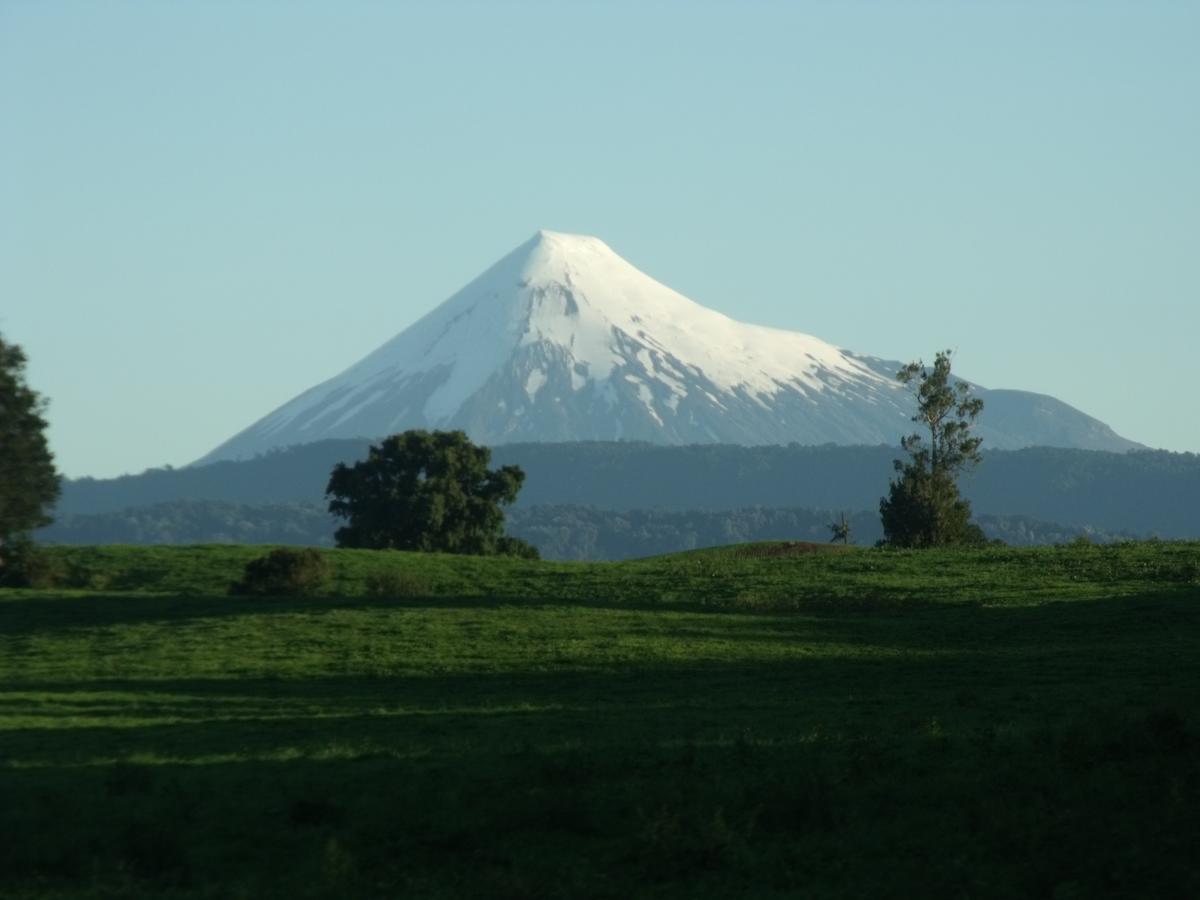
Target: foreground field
[760, 721]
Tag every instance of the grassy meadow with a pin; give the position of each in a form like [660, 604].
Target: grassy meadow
[768, 720]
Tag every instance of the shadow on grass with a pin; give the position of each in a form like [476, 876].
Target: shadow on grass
[905, 620]
[619, 797]
[952, 750]
[967, 668]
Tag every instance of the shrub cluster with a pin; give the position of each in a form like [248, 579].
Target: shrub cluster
[25, 565]
[511, 546]
[284, 572]
[395, 583]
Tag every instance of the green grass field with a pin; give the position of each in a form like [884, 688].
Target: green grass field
[757, 721]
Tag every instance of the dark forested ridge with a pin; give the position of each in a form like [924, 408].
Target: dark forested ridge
[577, 532]
[198, 522]
[1140, 492]
[559, 532]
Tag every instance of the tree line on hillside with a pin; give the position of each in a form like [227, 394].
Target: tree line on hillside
[1147, 492]
[198, 522]
[561, 532]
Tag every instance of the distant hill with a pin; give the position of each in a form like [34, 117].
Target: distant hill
[197, 522]
[1141, 492]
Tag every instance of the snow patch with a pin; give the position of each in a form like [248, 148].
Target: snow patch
[376, 394]
[534, 383]
[578, 376]
[647, 398]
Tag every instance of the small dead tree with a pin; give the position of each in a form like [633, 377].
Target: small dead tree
[840, 530]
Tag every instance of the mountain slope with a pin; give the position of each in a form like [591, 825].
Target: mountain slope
[564, 340]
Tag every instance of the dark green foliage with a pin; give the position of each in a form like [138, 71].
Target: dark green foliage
[28, 481]
[396, 583]
[512, 546]
[424, 490]
[285, 572]
[923, 511]
[923, 507]
[28, 565]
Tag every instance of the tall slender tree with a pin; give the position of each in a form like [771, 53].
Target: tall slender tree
[28, 481]
[923, 507]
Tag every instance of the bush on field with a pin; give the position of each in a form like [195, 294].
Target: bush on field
[396, 583]
[284, 572]
[26, 565]
[511, 546]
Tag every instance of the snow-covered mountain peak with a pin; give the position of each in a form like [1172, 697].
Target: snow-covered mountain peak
[552, 255]
[574, 261]
[576, 294]
[564, 242]
[563, 339]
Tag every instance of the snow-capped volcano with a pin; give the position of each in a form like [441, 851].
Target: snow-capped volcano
[562, 339]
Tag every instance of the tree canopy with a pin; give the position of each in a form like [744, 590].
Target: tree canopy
[426, 490]
[923, 507]
[29, 484]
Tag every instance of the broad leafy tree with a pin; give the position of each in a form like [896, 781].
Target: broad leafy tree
[425, 490]
[29, 484]
[923, 507]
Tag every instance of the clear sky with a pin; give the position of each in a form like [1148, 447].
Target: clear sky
[207, 208]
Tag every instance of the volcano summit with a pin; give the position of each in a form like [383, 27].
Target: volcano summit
[563, 340]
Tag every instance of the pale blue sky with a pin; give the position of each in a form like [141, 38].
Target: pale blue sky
[207, 208]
